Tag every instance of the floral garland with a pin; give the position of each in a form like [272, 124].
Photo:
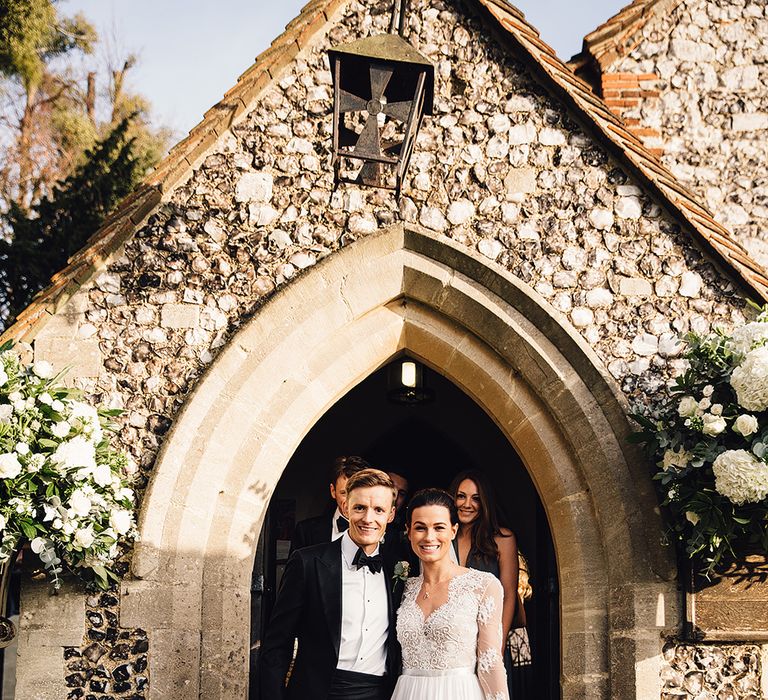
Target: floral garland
[63, 488]
[709, 437]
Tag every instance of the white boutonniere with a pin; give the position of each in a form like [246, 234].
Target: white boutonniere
[401, 572]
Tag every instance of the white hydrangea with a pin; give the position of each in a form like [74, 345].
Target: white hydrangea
[745, 337]
[745, 425]
[676, 458]
[740, 477]
[750, 380]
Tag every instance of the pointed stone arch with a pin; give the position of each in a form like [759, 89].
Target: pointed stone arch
[317, 338]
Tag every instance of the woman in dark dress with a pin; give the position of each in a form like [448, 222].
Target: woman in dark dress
[483, 544]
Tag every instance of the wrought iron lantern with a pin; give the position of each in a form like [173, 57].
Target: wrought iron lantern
[382, 88]
[405, 382]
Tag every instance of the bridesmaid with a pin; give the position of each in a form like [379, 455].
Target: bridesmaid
[483, 544]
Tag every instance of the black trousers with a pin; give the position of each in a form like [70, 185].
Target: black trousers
[349, 685]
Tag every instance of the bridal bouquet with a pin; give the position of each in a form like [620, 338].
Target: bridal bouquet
[63, 488]
[709, 437]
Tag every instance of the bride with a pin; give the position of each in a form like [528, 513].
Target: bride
[449, 622]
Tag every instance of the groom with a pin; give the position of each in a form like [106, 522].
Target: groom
[336, 599]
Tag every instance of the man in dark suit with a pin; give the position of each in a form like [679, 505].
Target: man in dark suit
[331, 525]
[336, 599]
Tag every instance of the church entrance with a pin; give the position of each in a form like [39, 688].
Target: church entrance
[430, 441]
[237, 444]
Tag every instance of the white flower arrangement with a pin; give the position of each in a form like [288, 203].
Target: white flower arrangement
[63, 488]
[709, 438]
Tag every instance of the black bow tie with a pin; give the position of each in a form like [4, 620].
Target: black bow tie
[374, 563]
[342, 524]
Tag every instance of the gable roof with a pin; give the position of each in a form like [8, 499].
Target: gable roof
[618, 35]
[511, 27]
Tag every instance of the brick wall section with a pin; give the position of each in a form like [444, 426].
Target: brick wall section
[625, 94]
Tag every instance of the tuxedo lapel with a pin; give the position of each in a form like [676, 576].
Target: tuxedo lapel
[328, 567]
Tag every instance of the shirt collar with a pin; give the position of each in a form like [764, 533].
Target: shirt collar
[349, 549]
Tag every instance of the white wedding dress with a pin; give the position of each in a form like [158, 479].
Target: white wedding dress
[454, 653]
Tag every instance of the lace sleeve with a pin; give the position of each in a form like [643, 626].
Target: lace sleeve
[490, 664]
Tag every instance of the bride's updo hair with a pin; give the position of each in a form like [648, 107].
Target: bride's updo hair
[432, 497]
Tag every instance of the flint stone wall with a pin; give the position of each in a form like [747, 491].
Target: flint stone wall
[501, 168]
[711, 58]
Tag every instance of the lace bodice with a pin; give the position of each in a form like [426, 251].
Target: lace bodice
[464, 632]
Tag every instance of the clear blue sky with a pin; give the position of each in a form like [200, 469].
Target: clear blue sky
[191, 51]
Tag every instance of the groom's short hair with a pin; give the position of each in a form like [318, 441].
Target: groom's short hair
[368, 478]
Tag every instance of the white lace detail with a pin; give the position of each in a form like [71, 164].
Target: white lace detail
[487, 660]
[484, 612]
[464, 632]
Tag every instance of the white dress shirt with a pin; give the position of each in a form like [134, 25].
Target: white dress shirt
[364, 615]
[335, 532]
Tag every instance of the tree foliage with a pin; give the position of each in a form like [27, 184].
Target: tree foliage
[61, 223]
[64, 162]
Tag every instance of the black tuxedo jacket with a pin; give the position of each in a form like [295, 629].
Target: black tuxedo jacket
[308, 607]
[312, 531]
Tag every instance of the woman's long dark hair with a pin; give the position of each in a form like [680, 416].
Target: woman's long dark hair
[486, 527]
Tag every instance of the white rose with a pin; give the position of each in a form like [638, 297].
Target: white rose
[745, 425]
[121, 520]
[102, 475]
[708, 390]
[124, 493]
[10, 467]
[740, 477]
[688, 407]
[691, 517]
[704, 404]
[3, 376]
[3, 522]
[61, 429]
[79, 503]
[43, 369]
[713, 425]
[84, 537]
[35, 462]
[75, 453]
[750, 380]
[6, 411]
[22, 448]
[89, 417]
[717, 409]
[57, 524]
[69, 526]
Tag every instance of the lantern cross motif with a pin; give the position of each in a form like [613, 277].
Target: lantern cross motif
[382, 89]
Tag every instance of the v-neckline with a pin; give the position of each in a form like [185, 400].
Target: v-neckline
[425, 618]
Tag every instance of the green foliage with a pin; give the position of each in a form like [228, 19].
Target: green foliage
[44, 239]
[685, 433]
[32, 33]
